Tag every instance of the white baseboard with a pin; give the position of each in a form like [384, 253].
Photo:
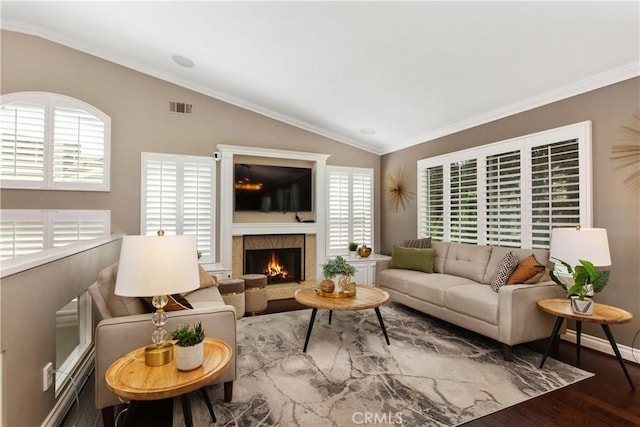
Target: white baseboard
[602, 345]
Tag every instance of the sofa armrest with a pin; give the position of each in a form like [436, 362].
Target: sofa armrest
[117, 336]
[381, 265]
[519, 318]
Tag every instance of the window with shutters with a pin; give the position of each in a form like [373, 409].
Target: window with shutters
[349, 208]
[509, 193]
[178, 197]
[51, 141]
[26, 231]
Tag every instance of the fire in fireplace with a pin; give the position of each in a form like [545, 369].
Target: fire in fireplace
[279, 265]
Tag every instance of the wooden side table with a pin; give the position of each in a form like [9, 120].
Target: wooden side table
[366, 297]
[603, 314]
[129, 377]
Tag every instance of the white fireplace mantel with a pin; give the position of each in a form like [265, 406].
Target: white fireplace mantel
[228, 228]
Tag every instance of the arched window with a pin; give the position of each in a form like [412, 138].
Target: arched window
[53, 142]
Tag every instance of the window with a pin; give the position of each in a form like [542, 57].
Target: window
[349, 208]
[177, 197]
[51, 141]
[25, 231]
[510, 193]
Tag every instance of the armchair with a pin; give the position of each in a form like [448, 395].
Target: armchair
[124, 324]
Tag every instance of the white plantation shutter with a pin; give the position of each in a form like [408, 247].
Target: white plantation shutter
[23, 232]
[555, 189]
[78, 146]
[509, 193]
[198, 204]
[51, 141]
[503, 199]
[362, 208]
[349, 208]
[463, 205]
[159, 195]
[22, 156]
[431, 204]
[178, 197]
[338, 211]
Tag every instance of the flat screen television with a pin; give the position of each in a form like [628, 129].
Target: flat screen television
[266, 188]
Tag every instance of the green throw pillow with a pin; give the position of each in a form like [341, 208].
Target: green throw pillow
[413, 259]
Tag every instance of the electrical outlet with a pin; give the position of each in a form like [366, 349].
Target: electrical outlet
[47, 376]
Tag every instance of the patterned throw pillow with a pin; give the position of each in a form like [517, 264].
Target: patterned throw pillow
[423, 243]
[508, 263]
[176, 302]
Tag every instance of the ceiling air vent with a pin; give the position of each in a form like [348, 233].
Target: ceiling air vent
[180, 107]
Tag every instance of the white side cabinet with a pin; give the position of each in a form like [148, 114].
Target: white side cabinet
[365, 268]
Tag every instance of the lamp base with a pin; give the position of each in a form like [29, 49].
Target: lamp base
[155, 355]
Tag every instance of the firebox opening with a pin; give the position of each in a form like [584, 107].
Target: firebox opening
[279, 265]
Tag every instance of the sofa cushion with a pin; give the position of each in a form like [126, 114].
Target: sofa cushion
[498, 253]
[423, 243]
[116, 305]
[396, 278]
[412, 259]
[528, 270]
[468, 261]
[475, 300]
[442, 248]
[507, 266]
[432, 288]
[206, 297]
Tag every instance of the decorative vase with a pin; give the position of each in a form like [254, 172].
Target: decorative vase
[364, 251]
[189, 358]
[584, 307]
[338, 281]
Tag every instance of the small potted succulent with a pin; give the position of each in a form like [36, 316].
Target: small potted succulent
[189, 346]
[352, 249]
[587, 281]
[340, 271]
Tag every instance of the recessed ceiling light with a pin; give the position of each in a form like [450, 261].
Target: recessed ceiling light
[181, 60]
[367, 131]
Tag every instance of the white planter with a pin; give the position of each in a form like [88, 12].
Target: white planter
[337, 281]
[189, 358]
[584, 307]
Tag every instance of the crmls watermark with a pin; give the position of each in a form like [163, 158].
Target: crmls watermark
[376, 418]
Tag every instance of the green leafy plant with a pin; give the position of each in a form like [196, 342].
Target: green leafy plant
[353, 246]
[188, 336]
[586, 279]
[338, 265]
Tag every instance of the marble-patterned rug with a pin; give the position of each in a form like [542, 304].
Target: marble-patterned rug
[432, 374]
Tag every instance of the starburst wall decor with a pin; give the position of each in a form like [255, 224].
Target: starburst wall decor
[397, 192]
[628, 155]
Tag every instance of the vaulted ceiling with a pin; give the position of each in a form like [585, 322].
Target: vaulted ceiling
[377, 75]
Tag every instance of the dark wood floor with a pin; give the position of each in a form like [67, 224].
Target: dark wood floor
[602, 400]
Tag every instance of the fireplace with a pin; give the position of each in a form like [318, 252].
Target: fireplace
[280, 257]
[279, 265]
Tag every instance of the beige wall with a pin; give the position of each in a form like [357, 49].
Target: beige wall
[140, 121]
[616, 205]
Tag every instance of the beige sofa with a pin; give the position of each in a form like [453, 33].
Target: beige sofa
[125, 324]
[459, 292]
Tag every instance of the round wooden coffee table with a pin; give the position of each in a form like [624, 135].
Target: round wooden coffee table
[366, 297]
[129, 377]
[603, 314]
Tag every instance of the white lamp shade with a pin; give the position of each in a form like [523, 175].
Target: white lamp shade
[589, 244]
[154, 265]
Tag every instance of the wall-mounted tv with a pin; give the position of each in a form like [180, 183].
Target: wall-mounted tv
[267, 188]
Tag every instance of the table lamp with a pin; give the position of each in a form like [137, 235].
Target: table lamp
[157, 266]
[573, 244]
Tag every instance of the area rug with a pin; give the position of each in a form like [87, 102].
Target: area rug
[432, 374]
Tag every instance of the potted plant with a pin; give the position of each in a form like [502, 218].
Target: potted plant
[587, 281]
[340, 271]
[352, 248]
[190, 346]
